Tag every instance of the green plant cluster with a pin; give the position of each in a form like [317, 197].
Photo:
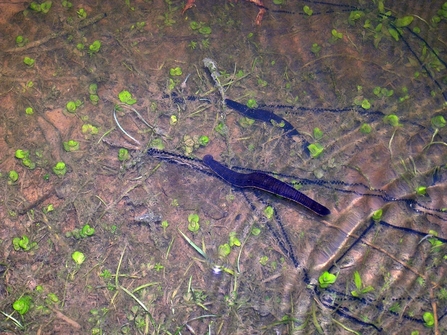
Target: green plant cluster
[78, 257]
[23, 243]
[44, 7]
[71, 145]
[23, 304]
[441, 14]
[175, 71]
[13, 176]
[82, 14]
[89, 129]
[126, 97]
[29, 61]
[23, 156]
[123, 155]
[225, 249]
[316, 149]
[200, 27]
[360, 289]
[21, 41]
[326, 279]
[94, 47]
[191, 143]
[73, 105]
[193, 220]
[84, 232]
[60, 169]
[93, 93]
[382, 92]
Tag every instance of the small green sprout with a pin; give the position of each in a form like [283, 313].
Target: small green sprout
[429, 320]
[66, 4]
[315, 149]
[194, 25]
[94, 47]
[175, 71]
[13, 176]
[35, 6]
[126, 97]
[21, 41]
[421, 190]
[326, 279]
[307, 10]
[366, 104]
[251, 103]
[360, 290]
[263, 260]
[377, 215]
[60, 169]
[392, 120]
[71, 145]
[71, 106]
[278, 2]
[205, 30]
[52, 298]
[23, 304]
[29, 61]
[78, 257]
[173, 120]
[82, 14]
[262, 83]
[234, 241]
[382, 92]
[336, 35]
[157, 143]
[93, 88]
[94, 99]
[204, 140]
[87, 231]
[221, 128]
[224, 250]
[403, 21]
[158, 267]
[365, 128]
[48, 208]
[21, 154]
[164, 225]
[245, 122]
[28, 163]
[23, 243]
[438, 122]
[269, 212]
[318, 134]
[123, 155]
[255, 231]
[80, 46]
[45, 6]
[29, 111]
[354, 16]
[89, 129]
[193, 220]
[315, 48]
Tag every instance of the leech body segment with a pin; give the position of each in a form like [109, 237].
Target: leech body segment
[266, 183]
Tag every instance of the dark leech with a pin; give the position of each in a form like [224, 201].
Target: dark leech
[266, 183]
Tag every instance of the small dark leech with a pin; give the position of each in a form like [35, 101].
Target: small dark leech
[267, 116]
[266, 183]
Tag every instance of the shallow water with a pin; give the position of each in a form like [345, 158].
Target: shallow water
[271, 282]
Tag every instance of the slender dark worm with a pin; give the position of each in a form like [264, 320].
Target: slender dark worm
[266, 183]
